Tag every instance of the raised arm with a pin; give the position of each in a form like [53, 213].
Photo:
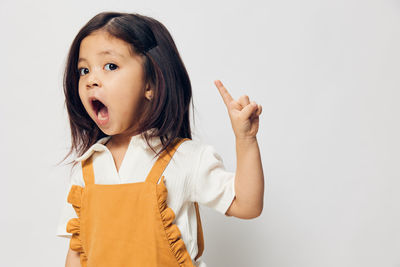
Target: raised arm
[249, 179]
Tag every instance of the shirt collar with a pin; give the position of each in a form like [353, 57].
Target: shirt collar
[136, 140]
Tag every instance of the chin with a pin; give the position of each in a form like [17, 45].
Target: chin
[106, 130]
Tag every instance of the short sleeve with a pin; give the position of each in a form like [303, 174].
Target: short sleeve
[68, 211]
[213, 185]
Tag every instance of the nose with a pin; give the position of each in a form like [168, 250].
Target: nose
[93, 80]
[92, 84]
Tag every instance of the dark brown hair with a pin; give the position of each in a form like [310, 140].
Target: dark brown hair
[168, 112]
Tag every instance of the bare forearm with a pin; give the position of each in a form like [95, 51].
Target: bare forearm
[72, 259]
[249, 180]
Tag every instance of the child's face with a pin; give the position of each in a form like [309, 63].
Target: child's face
[115, 80]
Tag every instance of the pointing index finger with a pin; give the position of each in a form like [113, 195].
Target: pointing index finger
[224, 92]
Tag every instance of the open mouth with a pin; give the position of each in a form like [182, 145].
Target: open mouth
[97, 105]
[100, 110]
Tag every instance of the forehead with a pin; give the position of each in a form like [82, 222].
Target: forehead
[102, 43]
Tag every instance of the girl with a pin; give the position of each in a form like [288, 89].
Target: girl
[133, 201]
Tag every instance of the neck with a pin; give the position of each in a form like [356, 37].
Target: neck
[118, 141]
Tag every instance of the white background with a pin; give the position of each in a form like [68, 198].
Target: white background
[327, 76]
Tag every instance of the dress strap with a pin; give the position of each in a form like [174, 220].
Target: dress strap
[163, 160]
[200, 238]
[87, 170]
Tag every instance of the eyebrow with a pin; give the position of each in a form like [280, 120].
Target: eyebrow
[105, 52]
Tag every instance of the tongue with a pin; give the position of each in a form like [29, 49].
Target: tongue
[103, 113]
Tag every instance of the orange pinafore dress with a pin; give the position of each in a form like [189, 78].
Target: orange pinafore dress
[128, 225]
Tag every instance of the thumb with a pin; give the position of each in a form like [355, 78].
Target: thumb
[249, 109]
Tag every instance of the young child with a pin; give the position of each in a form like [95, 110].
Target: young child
[133, 200]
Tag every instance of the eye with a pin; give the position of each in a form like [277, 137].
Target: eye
[80, 71]
[112, 66]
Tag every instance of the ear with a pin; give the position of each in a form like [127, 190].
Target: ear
[149, 92]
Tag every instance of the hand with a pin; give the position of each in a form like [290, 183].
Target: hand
[244, 114]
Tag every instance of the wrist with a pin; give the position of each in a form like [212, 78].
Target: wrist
[246, 139]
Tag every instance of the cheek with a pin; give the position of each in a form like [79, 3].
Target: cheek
[127, 105]
[130, 94]
[82, 97]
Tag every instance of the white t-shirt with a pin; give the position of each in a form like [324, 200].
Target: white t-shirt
[196, 173]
